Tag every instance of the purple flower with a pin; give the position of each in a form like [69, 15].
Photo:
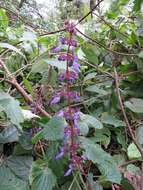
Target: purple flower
[77, 97]
[76, 66]
[67, 132]
[75, 121]
[69, 171]
[73, 43]
[62, 57]
[61, 153]
[55, 100]
[72, 48]
[57, 49]
[60, 113]
[62, 77]
[72, 76]
[62, 40]
[77, 115]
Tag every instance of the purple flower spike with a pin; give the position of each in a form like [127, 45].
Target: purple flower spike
[61, 154]
[69, 171]
[55, 100]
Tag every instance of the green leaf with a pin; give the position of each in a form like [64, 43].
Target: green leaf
[126, 185]
[42, 177]
[102, 136]
[104, 161]
[139, 134]
[25, 140]
[20, 166]
[53, 130]
[135, 105]
[133, 152]
[90, 53]
[39, 67]
[28, 86]
[11, 47]
[133, 169]
[94, 185]
[56, 63]
[140, 55]
[8, 181]
[9, 134]
[3, 19]
[11, 108]
[96, 89]
[90, 121]
[137, 5]
[112, 120]
[90, 76]
[83, 128]
[42, 65]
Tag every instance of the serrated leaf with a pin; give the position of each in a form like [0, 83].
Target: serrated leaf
[139, 134]
[94, 185]
[91, 121]
[20, 166]
[104, 161]
[96, 89]
[9, 134]
[83, 128]
[8, 181]
[39, 67]
[102, 136]
[42, 177]
[53, 130]
[133, 169]
[56, 63]
[11, 108]
[133, 152]
[135, 105]
[112, 120]
[90, 54]
[90, 76]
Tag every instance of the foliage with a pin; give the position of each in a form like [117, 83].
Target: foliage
[110, 85]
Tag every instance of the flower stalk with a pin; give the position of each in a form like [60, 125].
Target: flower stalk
[71, 131]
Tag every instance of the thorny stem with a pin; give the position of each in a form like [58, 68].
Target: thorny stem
[127, 121]
[21, 90]
[124, 113]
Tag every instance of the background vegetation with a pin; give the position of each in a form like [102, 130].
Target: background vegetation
[110, 51]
